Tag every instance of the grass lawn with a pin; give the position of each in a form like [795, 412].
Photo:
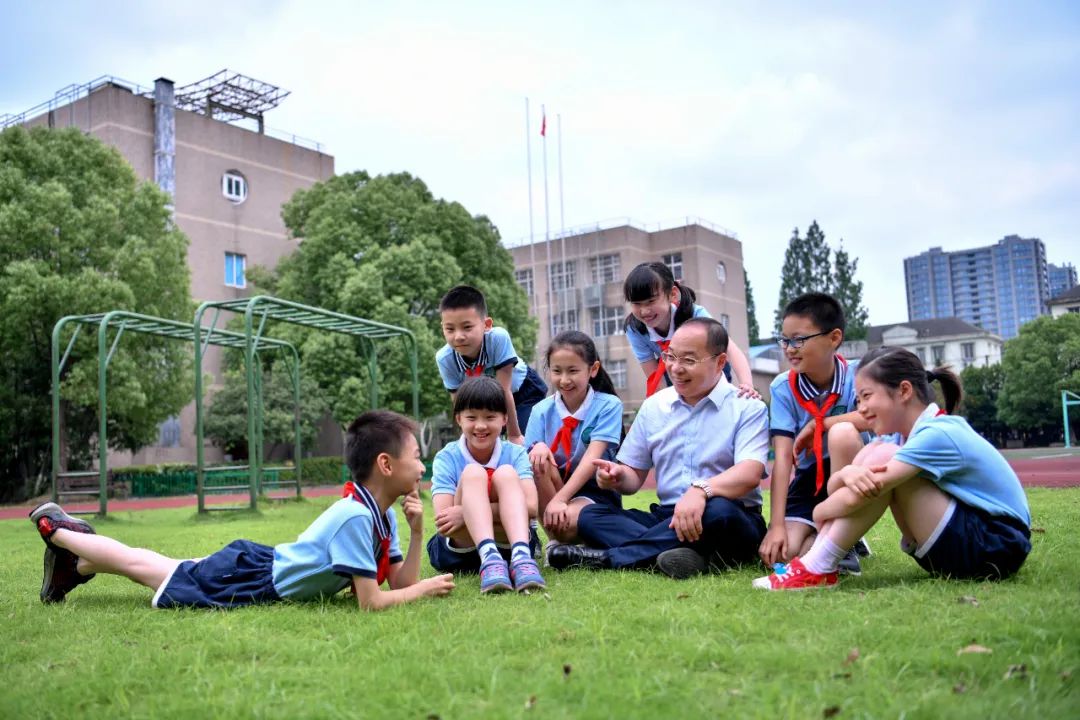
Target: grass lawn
[630, 644]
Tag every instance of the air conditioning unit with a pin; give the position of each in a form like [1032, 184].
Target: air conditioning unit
[594, 296]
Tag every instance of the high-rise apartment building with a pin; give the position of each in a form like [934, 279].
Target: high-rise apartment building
[1062, 278]
[998, 287]
[207, 146]
[576, 283]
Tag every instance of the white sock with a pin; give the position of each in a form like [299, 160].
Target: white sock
[520, 551]
[823, 556]
[488, 551]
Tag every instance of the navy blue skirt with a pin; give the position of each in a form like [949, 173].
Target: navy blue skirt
[241, 573]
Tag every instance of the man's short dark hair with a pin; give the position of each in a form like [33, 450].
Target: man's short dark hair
[716, 337]
[463, 297]
[823, 310]
[373, 433]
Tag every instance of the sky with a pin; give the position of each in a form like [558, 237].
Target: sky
[897, 127]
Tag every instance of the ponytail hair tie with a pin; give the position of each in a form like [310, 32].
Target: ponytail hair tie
[931, 376]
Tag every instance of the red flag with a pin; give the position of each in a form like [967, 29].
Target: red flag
[543, 125]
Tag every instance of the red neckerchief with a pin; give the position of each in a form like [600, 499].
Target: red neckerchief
[565, 437]
[477, 368]
[818, 412]
[658, 374]
[939, 413]
[360, 494]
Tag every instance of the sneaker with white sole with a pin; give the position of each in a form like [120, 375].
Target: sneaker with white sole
[50, 517]
[849, 564]
[796, 577]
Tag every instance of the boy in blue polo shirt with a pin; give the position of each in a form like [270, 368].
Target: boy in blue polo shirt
[354, 542]
[816, 394]
[474, 347]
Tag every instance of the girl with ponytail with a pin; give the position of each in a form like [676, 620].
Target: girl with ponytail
[959, 506]
[580, 423]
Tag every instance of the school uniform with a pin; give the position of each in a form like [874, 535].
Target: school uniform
[686, 443]
[795, 402]
[985, 532]
[351, 538]
[446, 471]
[497, 351]
[569, 435]
[650, 344]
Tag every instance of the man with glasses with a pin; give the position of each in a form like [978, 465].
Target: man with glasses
[709, 448]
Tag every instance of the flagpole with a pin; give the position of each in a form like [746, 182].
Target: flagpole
[532, 246]
[562, 213]
[547, 221]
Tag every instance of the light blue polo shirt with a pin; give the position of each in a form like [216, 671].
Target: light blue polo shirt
[644, 344]
[687, 443]
[963, 464]
[600, 417]
[338, 545]
[451, 461]
[496, 351]
[787, 417]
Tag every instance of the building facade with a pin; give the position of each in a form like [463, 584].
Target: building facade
[1061, 277]
[576, 283]
[940, 341]
[228, 183]
[1066, 302]
[998, 287]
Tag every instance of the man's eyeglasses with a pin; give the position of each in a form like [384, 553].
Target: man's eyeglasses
[796, 342]
[687, 362]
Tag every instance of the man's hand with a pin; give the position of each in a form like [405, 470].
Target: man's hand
[774, 547]
[803, 441]
[414, 512]
[608, 474]
[863, 481]
[437, 586]
[516, 439]
[555, 515]
[449, 521]
[747, 390]
[539, 457]
[686, 522]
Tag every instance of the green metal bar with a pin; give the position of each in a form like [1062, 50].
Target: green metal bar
[200, 451]
[103, 435]
[115, 344]
[410, 342]
[260, 437]
[70, 345]
[1065, 403]
[249, 364]
[294, 374]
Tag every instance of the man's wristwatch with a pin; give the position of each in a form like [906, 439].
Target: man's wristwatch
[704, 486]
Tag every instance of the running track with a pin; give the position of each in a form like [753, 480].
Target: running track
[1051, 471]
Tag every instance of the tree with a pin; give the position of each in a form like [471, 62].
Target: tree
[982, 389]
[226, 418]
[386, 249]
[751, 311]
[79, 234]
[848, 291]
[807, 268]
[1039, 363]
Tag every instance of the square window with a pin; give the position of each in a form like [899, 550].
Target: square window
[616, 370]
[604, 269]
[565, 320]
[525, 280]
[608, 321]
[674, 263]
[562, 275]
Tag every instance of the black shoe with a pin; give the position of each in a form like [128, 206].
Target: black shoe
[562, 557]
[681, 563]
[60, 575]
[849, 564]
[862, 548]
[50, 517]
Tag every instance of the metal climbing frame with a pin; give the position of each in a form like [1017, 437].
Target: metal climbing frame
[266, 308]
[124, 321]
[1067, 398]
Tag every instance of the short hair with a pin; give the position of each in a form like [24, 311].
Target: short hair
[373, 433]
[716, 337]
[462, 297]
[821, 308]
[480, 393]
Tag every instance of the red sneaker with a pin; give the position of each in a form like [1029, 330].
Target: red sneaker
[796, 577]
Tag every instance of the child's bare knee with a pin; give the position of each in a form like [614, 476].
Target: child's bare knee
[473, 473]
[878, 453]
[844, 438]
[505, 474]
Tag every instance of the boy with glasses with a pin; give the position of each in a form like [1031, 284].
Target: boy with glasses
[709, 448]
[812, 419]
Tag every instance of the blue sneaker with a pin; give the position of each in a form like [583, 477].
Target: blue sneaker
[526, 575]
[495, 577]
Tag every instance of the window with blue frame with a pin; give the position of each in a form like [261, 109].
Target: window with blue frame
[234, 270]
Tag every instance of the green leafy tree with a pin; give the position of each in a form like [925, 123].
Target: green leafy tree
[226, 418]
[80, 234]
[386, 249]
[751, 311]
[807, 268]
[1039, 363]
[848, 291]
[982, 389]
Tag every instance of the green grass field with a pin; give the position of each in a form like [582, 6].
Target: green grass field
[888, 644]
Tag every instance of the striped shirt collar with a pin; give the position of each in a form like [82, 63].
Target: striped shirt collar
[810, 392]
[481, 360]
[496, 453]
[564, 412]
[382, 523]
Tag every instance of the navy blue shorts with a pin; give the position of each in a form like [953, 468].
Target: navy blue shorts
[597, 494]
[802, 496]
[241, 573]
[445, 558]
[972, 544]
[533, 389]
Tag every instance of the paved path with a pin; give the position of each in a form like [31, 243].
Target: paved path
[1052, 469]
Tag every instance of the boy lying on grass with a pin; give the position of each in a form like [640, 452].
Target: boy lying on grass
[354, 542]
